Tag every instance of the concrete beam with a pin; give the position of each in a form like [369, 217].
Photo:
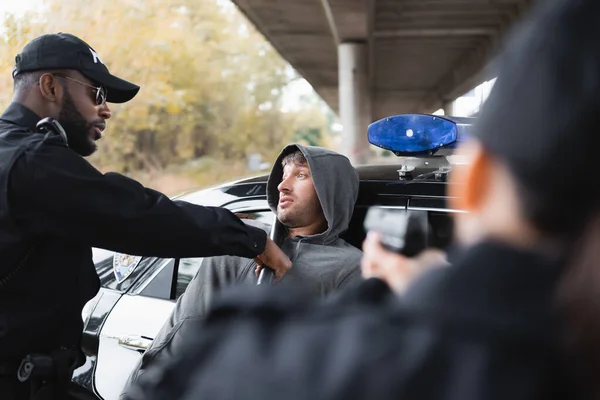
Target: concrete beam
[305, 66]
[474, 67]
[403, 93]
[331, 21]
[425, 33]
[429, 34]
[463, 77]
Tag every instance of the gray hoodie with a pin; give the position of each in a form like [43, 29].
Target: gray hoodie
[321, 263]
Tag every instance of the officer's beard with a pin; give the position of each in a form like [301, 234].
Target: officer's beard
[76, 127]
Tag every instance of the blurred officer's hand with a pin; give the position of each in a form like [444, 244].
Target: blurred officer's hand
[394, 269]
[274, 258]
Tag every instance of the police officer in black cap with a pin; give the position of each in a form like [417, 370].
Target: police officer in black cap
[55, 206]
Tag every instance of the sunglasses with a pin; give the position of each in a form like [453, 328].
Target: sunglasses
[100, 91]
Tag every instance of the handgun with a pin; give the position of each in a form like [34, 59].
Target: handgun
[267, 275]
[402, 232]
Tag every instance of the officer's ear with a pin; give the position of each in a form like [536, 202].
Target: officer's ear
[471, 181]
[50, 87]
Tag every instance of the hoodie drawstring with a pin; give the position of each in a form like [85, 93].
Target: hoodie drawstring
[295, 255]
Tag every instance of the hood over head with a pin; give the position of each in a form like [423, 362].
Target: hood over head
[336, 184]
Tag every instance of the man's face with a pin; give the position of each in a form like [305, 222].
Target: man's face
[82, 118]
[299, 205]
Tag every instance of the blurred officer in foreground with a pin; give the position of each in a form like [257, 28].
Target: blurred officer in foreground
[54, 206]
[516, 316]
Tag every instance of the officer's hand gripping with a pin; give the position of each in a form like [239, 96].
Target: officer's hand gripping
[273, 258]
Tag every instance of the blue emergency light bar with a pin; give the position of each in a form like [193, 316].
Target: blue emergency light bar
[419, 134]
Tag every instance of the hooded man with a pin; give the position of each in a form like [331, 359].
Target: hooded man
[312, 191]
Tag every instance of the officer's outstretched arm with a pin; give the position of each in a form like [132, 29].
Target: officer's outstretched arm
[53, 191]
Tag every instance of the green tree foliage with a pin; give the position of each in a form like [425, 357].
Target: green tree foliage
[211, 84]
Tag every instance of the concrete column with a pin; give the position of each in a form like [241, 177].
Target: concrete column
[355, 100]
[449, 108]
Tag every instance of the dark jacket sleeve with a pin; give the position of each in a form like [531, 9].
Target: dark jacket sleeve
[276, 346]
[53, 191]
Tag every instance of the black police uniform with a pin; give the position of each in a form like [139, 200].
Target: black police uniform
[484, 328]
[54, 206]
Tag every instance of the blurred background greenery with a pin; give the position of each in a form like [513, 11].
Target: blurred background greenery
[216, 98]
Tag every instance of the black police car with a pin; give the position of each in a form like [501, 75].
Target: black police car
[138, 294]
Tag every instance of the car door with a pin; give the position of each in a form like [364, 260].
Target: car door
[140, 313]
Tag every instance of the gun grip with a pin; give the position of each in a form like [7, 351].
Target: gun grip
[266, 276]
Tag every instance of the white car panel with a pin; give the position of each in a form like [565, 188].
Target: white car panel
[131, 320]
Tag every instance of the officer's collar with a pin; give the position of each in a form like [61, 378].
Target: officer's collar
[21, 115]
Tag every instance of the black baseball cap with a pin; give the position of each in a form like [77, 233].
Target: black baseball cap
[66, 51]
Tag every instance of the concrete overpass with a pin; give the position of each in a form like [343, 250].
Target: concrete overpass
[372, 58]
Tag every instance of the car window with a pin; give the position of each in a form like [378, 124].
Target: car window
[440, 222]
[109, 279]
[442, 229]
[188, 267]
[160, 285]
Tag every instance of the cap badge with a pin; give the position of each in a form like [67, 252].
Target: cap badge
[96, 57]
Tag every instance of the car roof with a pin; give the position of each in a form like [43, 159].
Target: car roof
[369, 172]
[374, 179]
